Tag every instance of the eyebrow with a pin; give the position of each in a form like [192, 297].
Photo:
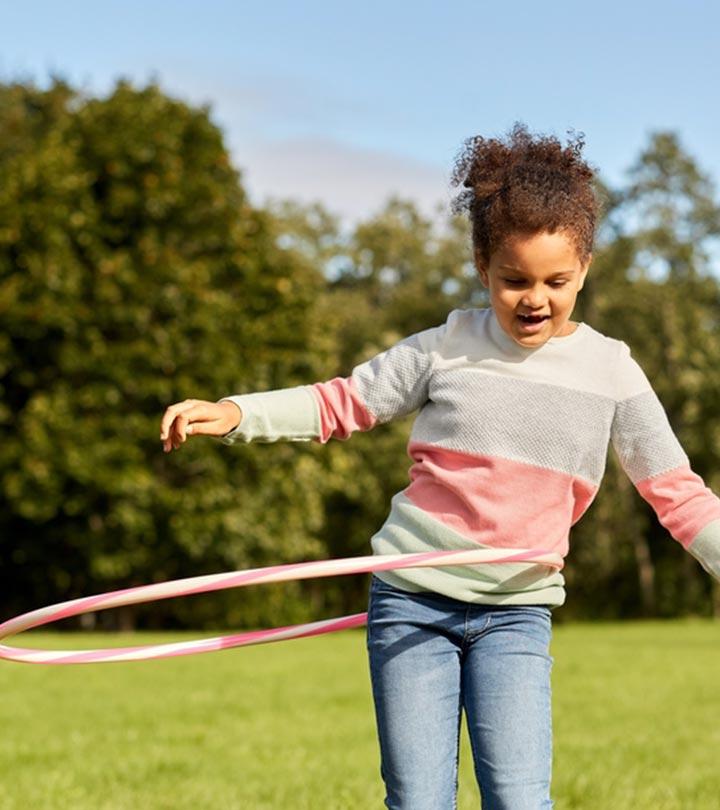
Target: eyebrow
[552, 275]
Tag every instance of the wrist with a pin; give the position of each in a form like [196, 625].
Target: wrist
[234, 413]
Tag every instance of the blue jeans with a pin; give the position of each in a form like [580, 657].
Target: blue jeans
[430, 658]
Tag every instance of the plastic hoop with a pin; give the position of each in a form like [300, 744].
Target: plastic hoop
[236, 579]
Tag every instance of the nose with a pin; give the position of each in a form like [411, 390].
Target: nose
[534, 298]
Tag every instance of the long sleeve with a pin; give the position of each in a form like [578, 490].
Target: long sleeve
[657, 465]
[391, 384]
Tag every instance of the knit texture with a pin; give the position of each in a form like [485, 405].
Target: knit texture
[509, 448]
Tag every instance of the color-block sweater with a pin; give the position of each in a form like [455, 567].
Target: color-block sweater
[509, 447]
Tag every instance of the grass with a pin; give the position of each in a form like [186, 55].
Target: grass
[636, 709]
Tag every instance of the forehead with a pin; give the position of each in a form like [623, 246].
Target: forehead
[541, 253]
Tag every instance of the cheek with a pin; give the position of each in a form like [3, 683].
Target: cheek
[504, 300]
[567, 296]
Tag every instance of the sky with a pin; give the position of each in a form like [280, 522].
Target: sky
[346, 104]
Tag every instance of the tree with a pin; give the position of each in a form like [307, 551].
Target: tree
[652, 287]
[134, 273]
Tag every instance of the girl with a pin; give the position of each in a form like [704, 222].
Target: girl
[516, 407]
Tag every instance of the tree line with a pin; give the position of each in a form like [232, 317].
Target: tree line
[135, 272]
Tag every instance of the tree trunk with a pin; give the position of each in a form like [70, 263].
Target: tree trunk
[645, 565]
[126, 619]
[715, 596]
[646, 574]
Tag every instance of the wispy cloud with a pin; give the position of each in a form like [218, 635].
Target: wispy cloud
[287, 136]
[258, 104]
[351, 182]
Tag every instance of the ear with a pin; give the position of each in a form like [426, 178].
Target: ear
[584, 272]
[481, 268]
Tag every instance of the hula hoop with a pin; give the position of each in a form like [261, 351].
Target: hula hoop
[237, 579]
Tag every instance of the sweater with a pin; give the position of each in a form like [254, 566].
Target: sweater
[508, 449]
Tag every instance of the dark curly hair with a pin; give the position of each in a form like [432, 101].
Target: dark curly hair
[525, 186]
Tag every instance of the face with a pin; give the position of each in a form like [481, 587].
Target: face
[533, 283]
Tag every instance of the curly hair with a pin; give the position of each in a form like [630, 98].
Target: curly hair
[525, 186]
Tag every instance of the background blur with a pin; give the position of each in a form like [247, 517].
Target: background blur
[197, 201]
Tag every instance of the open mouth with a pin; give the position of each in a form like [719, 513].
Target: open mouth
[533, 318]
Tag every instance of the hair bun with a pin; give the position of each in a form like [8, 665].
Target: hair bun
[526, 184]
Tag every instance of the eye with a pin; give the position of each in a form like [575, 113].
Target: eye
[517, 281]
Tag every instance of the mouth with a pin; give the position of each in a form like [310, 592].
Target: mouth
[529, 319]
[531, 324]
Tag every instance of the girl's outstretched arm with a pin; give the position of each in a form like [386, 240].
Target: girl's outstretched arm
[654, 460]
[391, 384]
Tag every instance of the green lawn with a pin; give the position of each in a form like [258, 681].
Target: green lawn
[290, 725]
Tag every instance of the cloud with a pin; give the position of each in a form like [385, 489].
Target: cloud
[264, 101]
[274, 126]
[264, 104]
[350, 182]
[282, 131]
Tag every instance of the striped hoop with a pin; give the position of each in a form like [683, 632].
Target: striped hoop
[238, 579]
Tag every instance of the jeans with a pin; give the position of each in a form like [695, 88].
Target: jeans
[431, 657]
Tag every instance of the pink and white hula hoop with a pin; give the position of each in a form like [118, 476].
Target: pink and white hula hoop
[237, 579]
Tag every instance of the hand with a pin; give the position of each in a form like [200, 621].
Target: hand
[197, 417]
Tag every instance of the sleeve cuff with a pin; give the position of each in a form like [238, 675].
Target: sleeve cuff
[289, 414]
[706, 548]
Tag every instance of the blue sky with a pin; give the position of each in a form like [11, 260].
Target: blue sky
[347, 103]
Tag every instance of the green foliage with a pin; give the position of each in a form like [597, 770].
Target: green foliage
[134, 273]
[651, 286]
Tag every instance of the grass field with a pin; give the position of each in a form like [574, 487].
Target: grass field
[636, 710]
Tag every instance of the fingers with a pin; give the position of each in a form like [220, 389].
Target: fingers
[171, 413]
[173, 427]
[191, 417]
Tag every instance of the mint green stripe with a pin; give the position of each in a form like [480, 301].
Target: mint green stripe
[409, 529]
[706, 548]
[288, 414]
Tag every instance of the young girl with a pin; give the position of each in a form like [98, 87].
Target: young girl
[516, 407]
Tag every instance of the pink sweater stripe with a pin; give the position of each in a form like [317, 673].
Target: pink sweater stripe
[342, 409]
[496, 501]
[684, 505]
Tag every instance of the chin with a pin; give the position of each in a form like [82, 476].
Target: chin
[531, 340]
